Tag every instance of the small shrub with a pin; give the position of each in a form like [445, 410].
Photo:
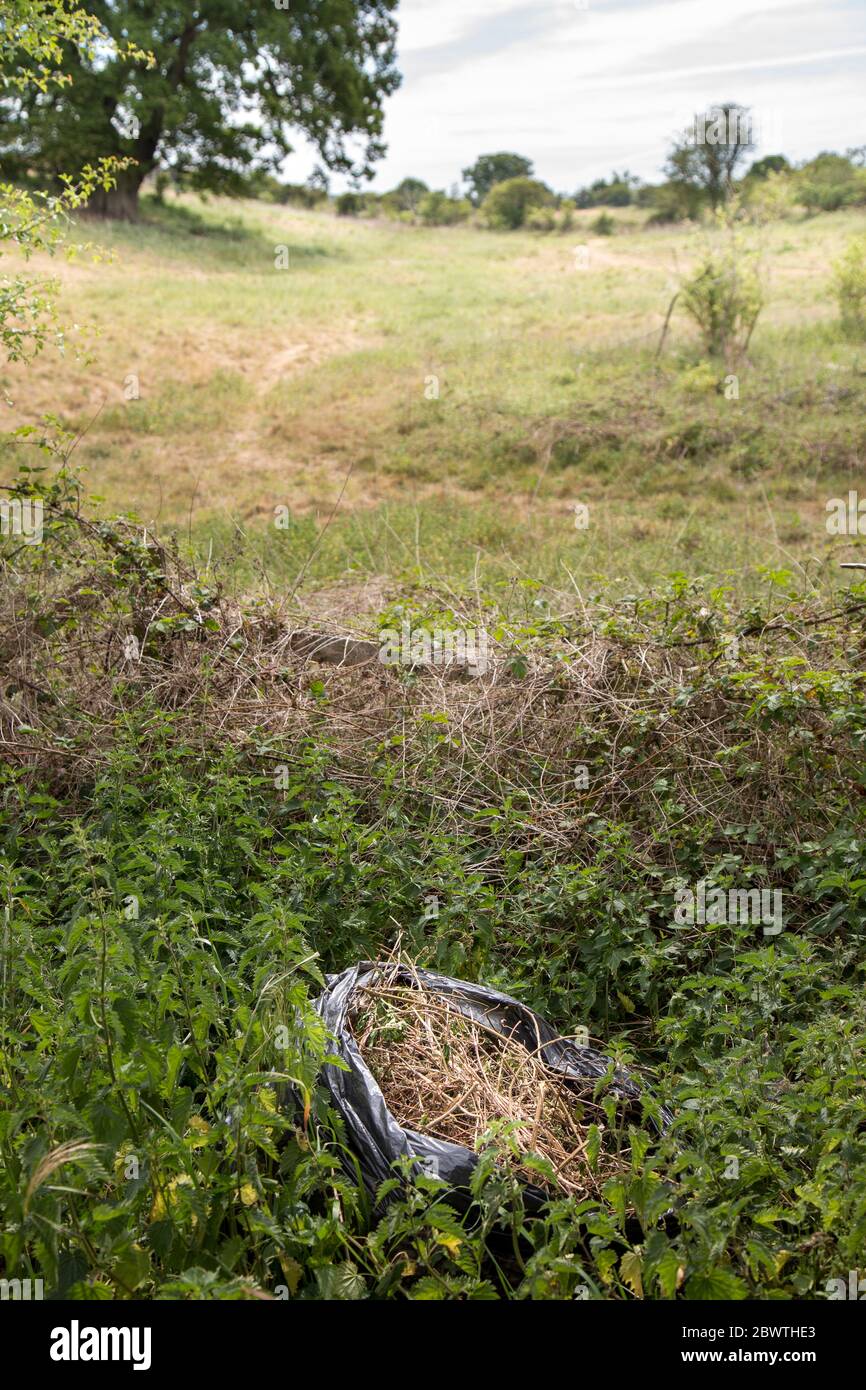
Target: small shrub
[436, 209]
[551, 219]
[675, 202]
[604, 225]
[770, 197]
[508, 204]
[566, 215]
[849, 287]
[724, 298]
[830, 182]
[350, 205]
[541, 219]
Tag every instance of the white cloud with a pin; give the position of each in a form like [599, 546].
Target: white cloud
[580, 92]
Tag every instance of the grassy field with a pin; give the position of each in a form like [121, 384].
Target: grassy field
[262, 388]
[198, 818]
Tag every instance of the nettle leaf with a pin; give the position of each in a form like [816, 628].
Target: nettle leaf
[670, 1272]
[631, 1272]
[341, 1282]
[605, 1263]
[133, 1267]
[715, 1283]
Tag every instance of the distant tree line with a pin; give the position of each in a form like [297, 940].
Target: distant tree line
[706, 165]
[211, 115]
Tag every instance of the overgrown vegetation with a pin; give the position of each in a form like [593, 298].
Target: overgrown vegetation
[193, 833]
[850, 288]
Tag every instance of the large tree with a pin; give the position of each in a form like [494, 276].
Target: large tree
[230, 83]
[708, 154]
[490, 169]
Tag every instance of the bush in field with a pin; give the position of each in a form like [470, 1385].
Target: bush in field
[604, 225]
[350, 204]
[491, 169]
[541, 219]
[617, 192]
[408, 194]
[436, 209]
[763, 168]
[268, 189]
[723, 296]
[390, 206]
[675, 201]
[770, 197]
[849, 287]
[830, 182]
[508, 204]
[551, 219]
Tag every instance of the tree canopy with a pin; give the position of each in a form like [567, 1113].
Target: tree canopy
[708, 154]
[490, 169]
[231, 83]
[508, 203]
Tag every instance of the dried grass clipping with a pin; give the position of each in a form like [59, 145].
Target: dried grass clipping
[448, 1076]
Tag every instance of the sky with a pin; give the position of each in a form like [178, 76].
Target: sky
[581, 87]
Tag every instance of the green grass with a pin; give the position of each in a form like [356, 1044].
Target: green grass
[170, 906]
[261, 388]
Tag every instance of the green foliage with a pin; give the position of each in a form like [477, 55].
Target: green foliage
[34, 37]
[770, 197]
[168, 911]
[618, 191]
[322, 68]
[830, 182]
[550, 218]
[604, 225]
[32, 222]
[436, 209]
[770, 164]
[508, 204]
[269, 189]
[675, 201]
[723, 295]
[849, 287]
[350, 204]
[490, 169]
[408, 194]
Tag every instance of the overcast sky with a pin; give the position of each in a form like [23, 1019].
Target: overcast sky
[585, 86]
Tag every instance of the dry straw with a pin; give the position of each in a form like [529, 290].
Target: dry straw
[451, 1077]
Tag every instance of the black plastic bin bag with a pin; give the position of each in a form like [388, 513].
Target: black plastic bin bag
[376, 1137]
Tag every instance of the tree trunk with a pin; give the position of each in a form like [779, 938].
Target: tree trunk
[118, 204]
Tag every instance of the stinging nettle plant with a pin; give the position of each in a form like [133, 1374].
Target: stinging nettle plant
[849, 287]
